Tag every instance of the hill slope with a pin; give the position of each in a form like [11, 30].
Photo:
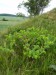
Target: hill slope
[8, 15]
[47, 21]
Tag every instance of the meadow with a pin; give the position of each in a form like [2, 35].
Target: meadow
[11, 21]
[29, 48]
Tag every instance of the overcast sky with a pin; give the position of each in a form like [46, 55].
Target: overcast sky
[10, 6]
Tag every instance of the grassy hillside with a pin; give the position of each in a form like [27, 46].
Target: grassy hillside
[29, 48]
[47, 21]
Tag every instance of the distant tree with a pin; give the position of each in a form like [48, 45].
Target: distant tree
[4, 19]
[35, 6]
[20, 14]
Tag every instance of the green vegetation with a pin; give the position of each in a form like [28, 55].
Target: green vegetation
[29, 48]
[20, 14]
[34, 7]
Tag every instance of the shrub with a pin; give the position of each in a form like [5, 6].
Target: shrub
[28, 49]
[20, 15]
[32, 42]
[4, 19]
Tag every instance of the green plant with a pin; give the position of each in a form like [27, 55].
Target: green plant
[32, 42]
[31, 45]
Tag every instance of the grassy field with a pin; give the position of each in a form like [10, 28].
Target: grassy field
[11, 21]
[29, 48]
